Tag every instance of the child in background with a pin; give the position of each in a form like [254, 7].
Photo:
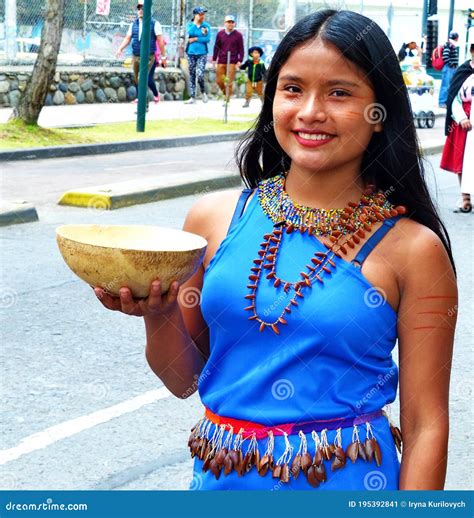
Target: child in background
[256, 74]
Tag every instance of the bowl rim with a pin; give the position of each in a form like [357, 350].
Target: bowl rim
[83, 225]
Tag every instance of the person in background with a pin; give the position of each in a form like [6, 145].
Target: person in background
[458, 154]
[256, 74]
[151, 76]
[228, 40]
[410, 49]
[134, 36]
[199, 35]
[451, 61]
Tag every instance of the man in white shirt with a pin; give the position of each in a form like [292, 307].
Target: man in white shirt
[134, 35]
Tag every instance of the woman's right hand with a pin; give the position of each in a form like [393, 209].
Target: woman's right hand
[466, 124]
[155, 305]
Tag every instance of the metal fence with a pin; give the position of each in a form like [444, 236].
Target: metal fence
[92, 39]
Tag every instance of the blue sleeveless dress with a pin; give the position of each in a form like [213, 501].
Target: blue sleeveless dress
[332, 359]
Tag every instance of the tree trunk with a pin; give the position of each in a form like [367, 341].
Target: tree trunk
[32, 101]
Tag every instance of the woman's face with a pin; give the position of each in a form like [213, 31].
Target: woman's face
[324, 109]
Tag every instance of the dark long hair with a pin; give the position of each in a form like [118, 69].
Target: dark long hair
[393, 159]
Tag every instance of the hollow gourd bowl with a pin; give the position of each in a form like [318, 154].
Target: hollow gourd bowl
[113, 256]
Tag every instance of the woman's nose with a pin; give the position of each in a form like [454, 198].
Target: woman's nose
[312, 109]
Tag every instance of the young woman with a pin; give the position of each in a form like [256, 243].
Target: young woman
[309, 278]
[199, 35]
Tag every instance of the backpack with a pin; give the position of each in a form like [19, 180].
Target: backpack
[437, 58]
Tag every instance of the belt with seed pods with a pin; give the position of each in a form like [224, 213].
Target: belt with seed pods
[207, 443]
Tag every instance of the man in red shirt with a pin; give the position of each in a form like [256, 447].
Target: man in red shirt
[228, 40]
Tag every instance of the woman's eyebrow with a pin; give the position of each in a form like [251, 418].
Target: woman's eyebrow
[330, 82]
[289, 77]
[333, 82]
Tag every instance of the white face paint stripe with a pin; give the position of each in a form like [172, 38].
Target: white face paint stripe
[60, 431]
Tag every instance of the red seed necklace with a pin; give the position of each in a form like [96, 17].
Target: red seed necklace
[344, 229]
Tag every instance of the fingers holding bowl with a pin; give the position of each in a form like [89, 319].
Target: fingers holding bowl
[172, 294]
[107, 300]
[129, 305]
[158, 302]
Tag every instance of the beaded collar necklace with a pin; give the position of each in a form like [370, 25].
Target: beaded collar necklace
[279, 207]
[344, 229]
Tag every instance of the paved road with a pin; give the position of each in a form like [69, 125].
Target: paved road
[42, 182]
[80, 407]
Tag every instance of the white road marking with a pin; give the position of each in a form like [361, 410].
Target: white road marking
[173, 162]
[55, 433]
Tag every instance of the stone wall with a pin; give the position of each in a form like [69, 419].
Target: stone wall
[97, 86]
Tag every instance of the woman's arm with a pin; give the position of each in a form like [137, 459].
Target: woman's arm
[426, 323]
[458, 114]
[207, 37]
[178, 343]
[217, 47]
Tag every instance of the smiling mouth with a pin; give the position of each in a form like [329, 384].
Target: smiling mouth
[313, 136]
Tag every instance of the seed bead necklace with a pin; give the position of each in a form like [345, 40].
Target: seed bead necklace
[343, 229]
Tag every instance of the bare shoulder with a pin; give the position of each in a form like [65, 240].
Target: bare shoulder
[420, 253]
[210, 211]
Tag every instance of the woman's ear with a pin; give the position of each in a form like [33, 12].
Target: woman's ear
[378, 128]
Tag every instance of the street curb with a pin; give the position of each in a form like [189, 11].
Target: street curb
[99, 199]
[14, 213]
[116, 147]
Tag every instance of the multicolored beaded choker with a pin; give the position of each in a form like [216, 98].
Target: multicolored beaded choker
[279, 207]
[344, 229]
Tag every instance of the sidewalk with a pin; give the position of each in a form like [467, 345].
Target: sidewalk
[94, 114]
[90, 114]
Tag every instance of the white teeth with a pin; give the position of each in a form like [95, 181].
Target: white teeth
[313, 136]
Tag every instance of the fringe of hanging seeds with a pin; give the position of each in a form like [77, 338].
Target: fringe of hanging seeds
[218, 455]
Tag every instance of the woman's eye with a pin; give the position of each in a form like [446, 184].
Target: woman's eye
[340, 93]
[292, 89]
